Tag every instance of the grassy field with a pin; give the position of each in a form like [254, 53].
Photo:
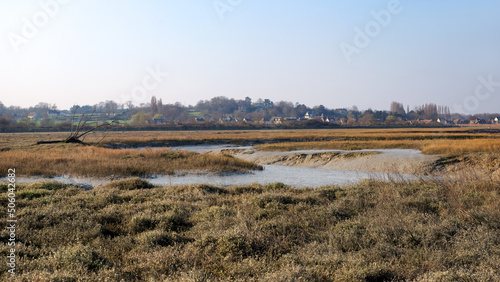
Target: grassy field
[373, 231]
[407, 137]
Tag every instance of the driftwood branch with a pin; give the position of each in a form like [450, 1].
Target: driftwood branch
[76, 135]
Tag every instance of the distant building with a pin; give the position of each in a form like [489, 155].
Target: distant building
[478, 121]
[277, 120]
[443, 121]
[227, 119]
[263, 121]
[459, 121]
[309, 115]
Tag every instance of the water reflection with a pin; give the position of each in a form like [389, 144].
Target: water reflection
[294, 176]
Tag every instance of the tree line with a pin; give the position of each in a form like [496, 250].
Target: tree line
[223, 110]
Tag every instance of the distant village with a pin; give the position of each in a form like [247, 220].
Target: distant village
[223, 111]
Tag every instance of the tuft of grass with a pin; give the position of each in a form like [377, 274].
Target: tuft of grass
[129, 184]
[48, 185]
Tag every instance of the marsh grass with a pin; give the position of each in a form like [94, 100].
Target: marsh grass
[459, 147]
[89, 161]
[434, 230]
[340, 145]
[447, 141]
[167, 138]
[430, 147]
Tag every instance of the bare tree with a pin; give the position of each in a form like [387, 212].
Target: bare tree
[160, 106]
[110, 107]
[129, 105]
[82, 129]
[153, 106]
[397, 108]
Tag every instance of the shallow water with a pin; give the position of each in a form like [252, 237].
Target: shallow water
[293, 176]
[289, 175]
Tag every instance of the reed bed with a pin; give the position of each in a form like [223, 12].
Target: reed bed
[141, 138]
[459, 147]
[341, 145]
[430, 147]
[89, 161]
[304, 135]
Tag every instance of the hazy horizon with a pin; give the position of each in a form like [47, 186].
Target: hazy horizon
[332, 53]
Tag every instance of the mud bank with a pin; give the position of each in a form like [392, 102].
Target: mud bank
[402, 161]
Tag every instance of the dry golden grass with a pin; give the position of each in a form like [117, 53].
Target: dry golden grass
[431, 147]
[372, 231]
[458, 147]
[298, 135]
[79, 160]
[15, 140]
[342, 145]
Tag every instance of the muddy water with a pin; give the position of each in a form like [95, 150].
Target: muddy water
[289, 175]
[293, 176]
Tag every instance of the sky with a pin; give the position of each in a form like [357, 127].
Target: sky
[318, 52]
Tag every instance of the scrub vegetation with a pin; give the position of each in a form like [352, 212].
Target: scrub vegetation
[372, 231]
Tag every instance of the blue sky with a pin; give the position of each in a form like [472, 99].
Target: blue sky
[91, 51]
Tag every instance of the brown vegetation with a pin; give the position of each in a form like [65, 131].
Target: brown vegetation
[341, 145]
[431, 147]
[372, 231]
[408, 137]
[79, 160]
